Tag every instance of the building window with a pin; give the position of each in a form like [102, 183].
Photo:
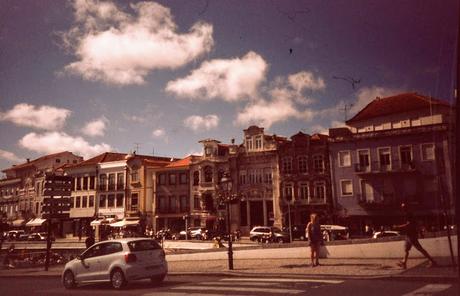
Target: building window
[184, 203]
[346, 187]
[72, 202]
[102, 201]
[134, 175]
[242, 177]
[344, 159]
[91, 201]
[405, 154]
[259, 176]
[428, 151]
[85, 183]
[79, 183]
[120, 181]
[249, 146]
[110, 200]
[252, 177]
[208, 151]
[287, 165]
[364, 162]
[288, 192]
[303, 164]
[268, 177]
[183, 178]
[196, 178]
[258, 142]
[172, 204]
[103, 182]
[303, 190]
[208, 174]
[318, 164]
[58, 160]
[384, 158]
[319, 191]
[84, 202]
[162, 204]
[92, 180]
[162, 179]
[120, 198]
[134, 202]
[172, 179]
[78, 202]
[196, 203]
[111, 181]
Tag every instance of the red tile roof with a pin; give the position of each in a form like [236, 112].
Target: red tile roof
[115, 156]
[396, 104]
[33, 162]
[185, 162]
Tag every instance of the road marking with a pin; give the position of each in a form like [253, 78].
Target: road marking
[245, 284]
[284, 280]
[429, 289]
[237, 289]
[182, 294]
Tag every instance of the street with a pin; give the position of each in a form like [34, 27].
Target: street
[219, 285]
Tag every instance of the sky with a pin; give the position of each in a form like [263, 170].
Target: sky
[157, 77]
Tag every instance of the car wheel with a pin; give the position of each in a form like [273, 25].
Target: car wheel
[69, 280]
[117, 279]
[157, 279]
[280, 240]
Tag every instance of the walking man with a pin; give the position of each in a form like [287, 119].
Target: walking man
[410, 229]
[315, 237]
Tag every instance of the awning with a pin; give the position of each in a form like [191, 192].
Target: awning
[18, 222]
[101, 221]
[125, 222]
[35, 222]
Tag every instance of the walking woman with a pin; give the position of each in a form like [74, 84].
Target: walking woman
[315, 237]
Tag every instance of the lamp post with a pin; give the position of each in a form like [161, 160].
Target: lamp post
[289, 218]
[227, 197]
[185, 217]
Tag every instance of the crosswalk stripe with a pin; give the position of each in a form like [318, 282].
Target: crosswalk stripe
[238, 289]
[283, 280]
[429, 289]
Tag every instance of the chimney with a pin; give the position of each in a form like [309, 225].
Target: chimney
[233, 141]
[28, 160]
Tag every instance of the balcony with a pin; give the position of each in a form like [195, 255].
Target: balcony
[394, 167]
[387, 203]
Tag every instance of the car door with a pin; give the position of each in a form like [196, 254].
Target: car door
[88, 267]
[110, 253]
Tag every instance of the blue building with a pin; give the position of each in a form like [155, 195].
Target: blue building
[396, 149]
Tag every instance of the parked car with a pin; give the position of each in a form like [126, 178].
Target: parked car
[23, 237]
[298, 232]
[335, 232]
[259, 233]
[38, 236]
[14, 234]
[194, 233]
[386, 233]
[118, 262]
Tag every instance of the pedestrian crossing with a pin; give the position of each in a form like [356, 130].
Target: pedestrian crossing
[246, 286]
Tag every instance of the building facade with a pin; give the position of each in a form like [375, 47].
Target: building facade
[394, 150]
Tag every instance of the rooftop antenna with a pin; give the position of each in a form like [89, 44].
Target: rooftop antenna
[137, 145]
[345, 109]
[153, 150]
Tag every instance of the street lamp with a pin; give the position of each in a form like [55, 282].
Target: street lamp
[226, 197]
[185, 217]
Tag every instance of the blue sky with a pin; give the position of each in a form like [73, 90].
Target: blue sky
[95, 76]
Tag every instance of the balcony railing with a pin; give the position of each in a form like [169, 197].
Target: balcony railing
[396, 166]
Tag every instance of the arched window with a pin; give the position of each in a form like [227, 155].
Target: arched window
[196, 178]
[208, 174]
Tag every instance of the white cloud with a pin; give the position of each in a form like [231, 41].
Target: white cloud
[120, 48]
[158, 133]
[10, 156]
[40, 117]
[306, 80]
[266, 113]
[227, 79]
[96, 127]
[51, 142]
[197, 123]
[134, 118]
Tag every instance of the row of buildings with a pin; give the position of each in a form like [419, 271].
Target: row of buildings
[396, 149]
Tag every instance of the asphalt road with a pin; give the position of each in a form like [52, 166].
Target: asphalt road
[213, 286]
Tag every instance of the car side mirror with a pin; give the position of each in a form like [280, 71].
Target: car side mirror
[80, 257]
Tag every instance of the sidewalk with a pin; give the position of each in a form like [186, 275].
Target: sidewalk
[330, 268]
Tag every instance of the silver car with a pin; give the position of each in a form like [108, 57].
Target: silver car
[117, 261]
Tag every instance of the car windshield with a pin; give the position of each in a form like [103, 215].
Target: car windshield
[143, 245]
